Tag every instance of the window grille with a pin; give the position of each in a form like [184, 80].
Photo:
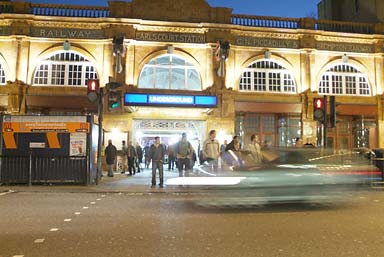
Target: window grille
[64, 69]
[267, 76]
[170, 72]
[344, 79]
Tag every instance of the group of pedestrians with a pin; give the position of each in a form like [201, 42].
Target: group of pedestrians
[183, 152]
[182, 155]
[132, 157]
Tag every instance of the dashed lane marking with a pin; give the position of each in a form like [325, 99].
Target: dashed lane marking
[39, 240]
[77, 213]
[67, 220]
[85, 207]
[54, 229]
[92, 202]
[18, 256]
[98, 199]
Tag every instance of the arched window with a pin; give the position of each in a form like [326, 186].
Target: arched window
[66, 68]
[343, 79]
[170, 72]
[2, 75]
[267, 76]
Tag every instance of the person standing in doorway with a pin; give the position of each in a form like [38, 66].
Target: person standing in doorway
[110, 156]
[211, 151]
[132, 155]
[139, 158]
[124, 149]
[156, 154]
[171, 157]
[184, 151]
[147, 161]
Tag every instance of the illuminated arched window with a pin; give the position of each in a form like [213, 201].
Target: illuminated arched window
[2, 75]
[66, 68]
[267, 76]
[170, 72]
[344, 79]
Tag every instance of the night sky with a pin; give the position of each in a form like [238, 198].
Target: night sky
[280, 8]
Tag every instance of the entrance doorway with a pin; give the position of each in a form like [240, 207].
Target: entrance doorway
[169, 131]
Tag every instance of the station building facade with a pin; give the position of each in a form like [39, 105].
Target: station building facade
[274, 70]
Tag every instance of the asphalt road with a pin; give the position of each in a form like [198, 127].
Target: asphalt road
[56, 224]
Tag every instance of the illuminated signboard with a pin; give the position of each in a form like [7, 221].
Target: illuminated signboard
[169, 100]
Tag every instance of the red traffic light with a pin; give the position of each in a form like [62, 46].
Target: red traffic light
[319, 109]
[93, 89]
[93, 84]
[319, 103]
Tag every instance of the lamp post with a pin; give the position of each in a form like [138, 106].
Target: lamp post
[100, 108]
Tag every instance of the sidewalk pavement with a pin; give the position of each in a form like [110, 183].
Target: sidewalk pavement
[138, 183]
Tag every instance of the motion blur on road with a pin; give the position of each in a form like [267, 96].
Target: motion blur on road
[306, 175]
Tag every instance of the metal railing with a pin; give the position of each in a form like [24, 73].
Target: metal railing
[348, 27]
[265, 21]
[63, 10]
[69, 10]
[40, 169]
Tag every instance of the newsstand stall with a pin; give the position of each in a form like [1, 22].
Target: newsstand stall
[48, 149]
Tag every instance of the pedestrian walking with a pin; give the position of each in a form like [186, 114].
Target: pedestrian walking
[132, 155]
[110, 157]
[184, 151]
[124, 150]
[223, 146]
[156, 155]
[231, 145]
[211, 151]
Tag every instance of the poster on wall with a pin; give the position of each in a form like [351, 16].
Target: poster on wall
[78, 144]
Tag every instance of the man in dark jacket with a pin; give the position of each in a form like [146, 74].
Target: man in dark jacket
[132, 155]
[110, 157]
[156, 154]
[139, 158]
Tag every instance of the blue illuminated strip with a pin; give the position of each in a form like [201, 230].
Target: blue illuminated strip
[206, 101]
[135, 99]
[169, 100]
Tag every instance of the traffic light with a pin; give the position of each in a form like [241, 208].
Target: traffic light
[114, 99]
[319, 110]
[93, 90]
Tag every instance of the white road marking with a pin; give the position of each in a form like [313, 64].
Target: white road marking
[40, 240]
[92, 202]
[376, 201]
[98, 199]
[7, 192]
[18, 256]
[85, 207]
[77, 213]
[67, 220]
[54, 229]
[102, 195]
